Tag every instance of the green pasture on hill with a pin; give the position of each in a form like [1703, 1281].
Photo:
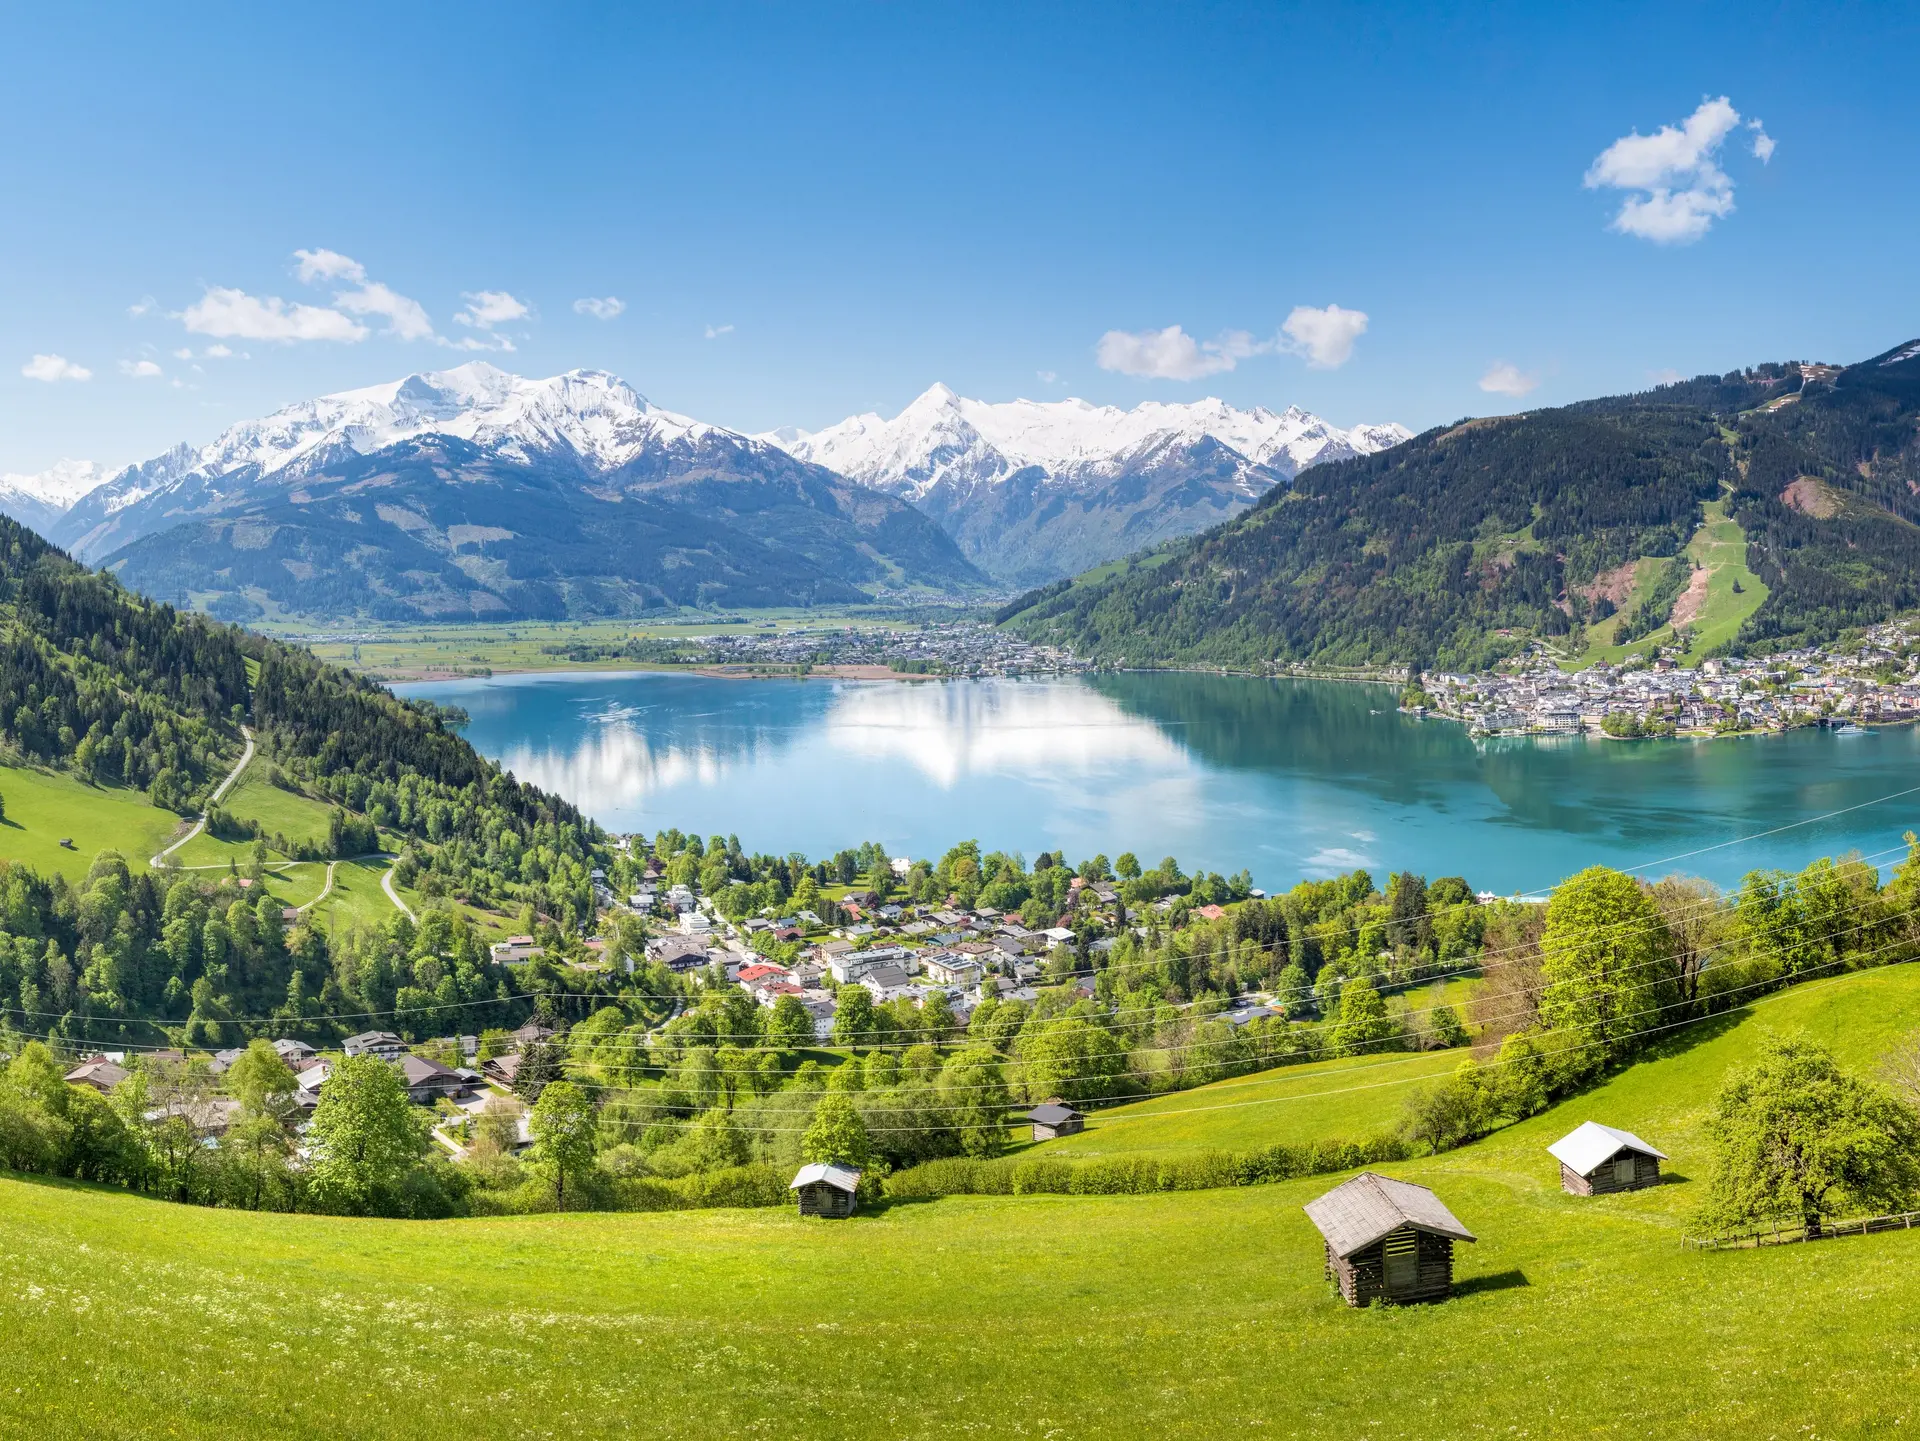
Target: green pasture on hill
[42, 807]
[1721, 547]
[1197, 1314]
[1347, 1100]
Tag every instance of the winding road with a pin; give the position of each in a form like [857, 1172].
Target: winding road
[218, 791]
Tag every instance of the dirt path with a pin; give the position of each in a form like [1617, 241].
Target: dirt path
[218, 791]
[325, 891]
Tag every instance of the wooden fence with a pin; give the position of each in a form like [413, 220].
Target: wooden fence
[1786, 1235]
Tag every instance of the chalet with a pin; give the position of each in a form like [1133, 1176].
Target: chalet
[101, 1075]
[502, 1070]
[1053, 1119]
[427, 1081]
[295, 1053]
[384, 1044]
[528, 1032]
[1596, 1159]
[515, 948]
[1387, 1240]
[208, 1115]
[826, 1190]
[886, 981]
[678, 953]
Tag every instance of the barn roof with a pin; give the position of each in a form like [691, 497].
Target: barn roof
[844, 1178]
[1354, 1215]
[1591, 1145]
[1052, 1114]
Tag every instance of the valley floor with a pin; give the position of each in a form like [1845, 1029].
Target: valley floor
[1194, 1314]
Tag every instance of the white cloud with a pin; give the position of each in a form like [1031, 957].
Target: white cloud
[236, 315]
[185, 352]
[1047, 377]
[1678, 187]
[54, 368]
[140, 307]
[312, 265]
[140, 369]
[1172, 354]
[1324, 336]
[1668, 376]
[1505, 378]
[488, 308]
[603, 307]
[215, 352]
[406, 319]
[714, 332]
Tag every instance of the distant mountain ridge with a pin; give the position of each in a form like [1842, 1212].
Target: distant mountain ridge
[1035, 490]
[1471, 541]
[472, 492]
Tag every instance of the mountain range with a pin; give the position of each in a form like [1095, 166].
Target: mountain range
[1769, 507]
[473, 492]
[1034, 490]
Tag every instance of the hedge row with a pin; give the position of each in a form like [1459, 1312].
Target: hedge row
[1134, 1175]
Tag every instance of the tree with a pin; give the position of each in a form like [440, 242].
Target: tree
[853, 1022]
[1455, 1110]
[366, 1136]
[974, 1099]
[562, 1124]
[836, 1134]
[1607, 963]
[540, 1062]
[1448, 1029]
[260, 1081]
[790, 1027]
[1070, 1058]
[1363, 1024]
[1796, 1136]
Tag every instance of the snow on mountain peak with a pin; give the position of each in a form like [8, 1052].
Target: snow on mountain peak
[60, 485]
[942, 435]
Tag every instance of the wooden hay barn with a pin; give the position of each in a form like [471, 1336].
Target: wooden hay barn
[1387, 1240]
[1596, 1159]
[1052, 1119]
[824, 1189]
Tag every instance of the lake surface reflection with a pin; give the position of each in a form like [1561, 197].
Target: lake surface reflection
[1287, 778]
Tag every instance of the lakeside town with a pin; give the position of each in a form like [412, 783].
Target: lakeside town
[1869, 680]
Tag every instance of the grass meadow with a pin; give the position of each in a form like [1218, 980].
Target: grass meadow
[43, 807]
[1194, 1314]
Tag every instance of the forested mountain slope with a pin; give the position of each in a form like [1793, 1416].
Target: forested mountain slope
[117, 691]
[1462, 544]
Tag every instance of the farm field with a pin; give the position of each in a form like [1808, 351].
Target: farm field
[1347, 1100]
[421, 651]
[42, 807]
[1069, 1316]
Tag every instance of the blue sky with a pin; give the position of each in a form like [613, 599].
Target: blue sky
[810, 211]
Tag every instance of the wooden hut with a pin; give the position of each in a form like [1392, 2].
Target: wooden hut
[1387, 1240]
[824, 1189]
[1052, 1119]
[1596, 1159]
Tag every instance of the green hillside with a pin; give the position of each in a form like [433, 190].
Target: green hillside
[44, 807]
[1467, 542]
[1187, 1314]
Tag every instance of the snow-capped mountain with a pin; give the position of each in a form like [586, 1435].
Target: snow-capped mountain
[1037, 489]
[38, 501]
[586, 419]
[941, 432]
[472, 492]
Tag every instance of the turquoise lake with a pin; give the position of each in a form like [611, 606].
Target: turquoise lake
[1289, 779]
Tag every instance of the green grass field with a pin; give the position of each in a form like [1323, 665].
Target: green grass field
[43, 807]
[1721, 547]
[1198, 1314]
[421, 650]
[1347, 1100]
